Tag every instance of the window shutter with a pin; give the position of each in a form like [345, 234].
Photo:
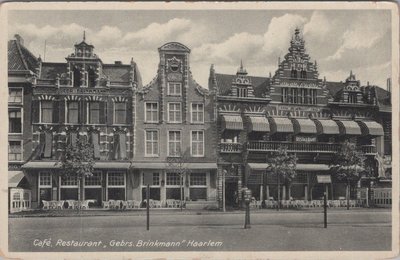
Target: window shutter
[103, 111]
[95, 142]
[61, 111]
[56, 113]
[122, 145]
[116, 146]
[110, 113]
[35, 111]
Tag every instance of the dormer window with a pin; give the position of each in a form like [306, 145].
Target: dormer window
[294, 73]
[352, 98]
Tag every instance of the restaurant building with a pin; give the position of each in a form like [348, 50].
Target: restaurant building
[81, 98]
[309, 116]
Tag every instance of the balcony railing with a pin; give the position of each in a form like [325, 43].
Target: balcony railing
[265, 146]
[230, 147]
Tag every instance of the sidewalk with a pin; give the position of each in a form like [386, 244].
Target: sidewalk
[169, 211]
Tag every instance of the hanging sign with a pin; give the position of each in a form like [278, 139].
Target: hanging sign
[324, 179]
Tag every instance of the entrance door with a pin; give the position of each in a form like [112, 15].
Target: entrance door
[231, 189]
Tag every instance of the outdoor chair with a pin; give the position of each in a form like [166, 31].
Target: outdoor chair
[170, 203]
[72, 204]
[121, 204]
[84, 204]
[112, 204]
[352, 203]
[46, 204]
[106, 204]
[60, 204]
[130, 204]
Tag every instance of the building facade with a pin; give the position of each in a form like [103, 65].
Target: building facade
[185, 141]
[309, 116]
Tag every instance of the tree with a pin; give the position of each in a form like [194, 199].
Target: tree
[78, 159]
[179, 164]
[282, 165]
[345, 164]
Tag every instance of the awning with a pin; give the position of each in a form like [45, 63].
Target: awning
[371, 128]
[304, 126]
[14, 178]
[231, 122]
[281, 125]
[348, 127]
[161, 165]
[299, 166]
[327, 126]
[258, 124]
[55, 165]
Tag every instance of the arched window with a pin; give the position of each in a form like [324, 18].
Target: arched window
[91, 78]
[77, 78]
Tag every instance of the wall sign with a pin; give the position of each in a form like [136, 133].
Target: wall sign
[288, 84]
[306, 139]
[324, 179]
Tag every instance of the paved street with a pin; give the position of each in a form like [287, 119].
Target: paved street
[270, 231]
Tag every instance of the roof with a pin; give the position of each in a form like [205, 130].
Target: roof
[334, 87]
[50, 70]
[117, 72]
[14, 178]
[20, 58]
[174, 46]
[224, 83]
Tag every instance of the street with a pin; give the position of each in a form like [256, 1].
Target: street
[270, 231]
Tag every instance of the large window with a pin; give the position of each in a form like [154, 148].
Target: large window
[72, 112]
[151, 143]
[15, 95]
[299, 96]
[151, 115]
[94, 180]
[116, 179]
[197, 144]
[174, 143]
[14, 151]
[197, 113]
[174, 89]
[45, 179]
[155, 179]
[14, 121]
[174, 113]
[120, 113]
[198, 179]
[69, 180]
[242, 92]
[94, 113]
[46, 109]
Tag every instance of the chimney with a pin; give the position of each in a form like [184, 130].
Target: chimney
[118, 62]
[19, 39]
[389, 85]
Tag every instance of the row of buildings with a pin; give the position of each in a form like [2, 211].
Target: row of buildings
[224, 132]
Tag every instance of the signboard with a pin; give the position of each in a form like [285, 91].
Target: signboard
[306, 138]
[298, 108]
[324, 179]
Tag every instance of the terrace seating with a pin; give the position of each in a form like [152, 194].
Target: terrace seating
[46, 204]
[121, 204]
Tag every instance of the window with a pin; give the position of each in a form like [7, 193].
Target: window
[69, 180]
[242, 92]
[352, 98]
[91, 78]
[155, 181]
[45, 179]
[293, 73]
[15, 95]
[173, 179]
[299, 96]
[46, 110]
[94, 180]
[116, 179]
[17, 196]
[174, 143]
[151, 112]
[303, 74]
[197, 113]
[197, 143]
[14, 151]
[174, 89]
[94, 113]
[14, 121]
[151, 143]
[174, 113]
[77, 78]
[198, 179]
[72, 112]
[120, 113]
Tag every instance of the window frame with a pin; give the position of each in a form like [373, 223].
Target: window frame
[195, 185]
[146, 154]
[152, 185]
[41, 111]
[174, 185]
[51, 179]
[21, 154]
[191, 143]
[197, 112]
[10, 89]
[21, 119]
[68, 185]
[115, 186]
[93, 186]
[115, 113]
[147, 120]
[180, 143]
[175, 94]
[67, 111]
[180, 111]
[88, 110]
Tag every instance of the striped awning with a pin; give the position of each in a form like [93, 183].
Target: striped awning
[280, 125]
[258, 124]
[304, 126]
[371, 128]
[231, 122]
[348, 127]
[327, 126]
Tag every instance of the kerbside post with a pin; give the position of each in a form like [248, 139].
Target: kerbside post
[325, 180]
[148, 206]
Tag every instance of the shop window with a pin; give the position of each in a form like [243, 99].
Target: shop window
[198, 179]
[94, 180]
[15, 95]
[46, 109]
[151, 143]
[173, 179]
[116, 179]
[174, 143]
[14, 121]
[69, 180]
[174, 113]
[120, 113]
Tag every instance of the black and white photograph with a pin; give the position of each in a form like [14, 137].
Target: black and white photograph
[200, 130]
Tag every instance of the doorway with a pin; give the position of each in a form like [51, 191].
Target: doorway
[231, 194]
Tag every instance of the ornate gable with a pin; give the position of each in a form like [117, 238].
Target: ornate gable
[241, 84]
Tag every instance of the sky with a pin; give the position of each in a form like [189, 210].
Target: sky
[339, 40]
